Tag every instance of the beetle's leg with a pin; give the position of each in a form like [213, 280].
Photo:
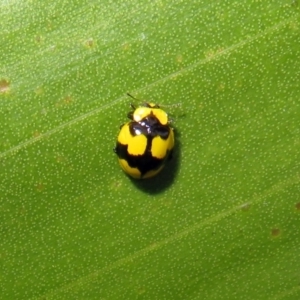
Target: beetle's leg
[130, 115]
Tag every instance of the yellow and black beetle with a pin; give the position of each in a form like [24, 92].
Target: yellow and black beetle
[146, 142]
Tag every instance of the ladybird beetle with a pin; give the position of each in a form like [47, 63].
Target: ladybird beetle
[146, 142]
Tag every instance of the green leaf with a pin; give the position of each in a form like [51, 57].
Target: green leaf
[221, 221]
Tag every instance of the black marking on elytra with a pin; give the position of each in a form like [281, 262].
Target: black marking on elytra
[150, 127]
[170, 155]
[144, 163]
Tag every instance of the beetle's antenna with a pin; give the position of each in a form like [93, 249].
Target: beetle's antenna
[133, 97]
